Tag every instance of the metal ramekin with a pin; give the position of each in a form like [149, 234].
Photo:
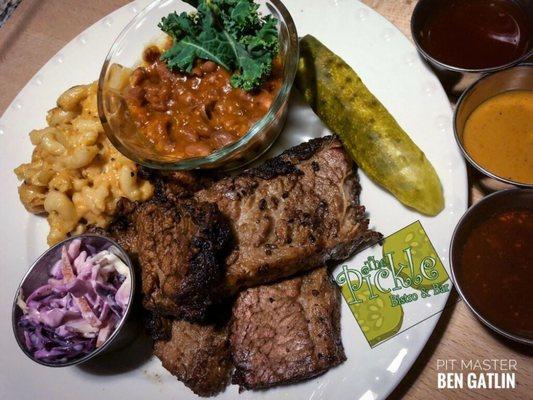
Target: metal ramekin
[37, 275]
[504, 200]
[514, 78]
[455, 79]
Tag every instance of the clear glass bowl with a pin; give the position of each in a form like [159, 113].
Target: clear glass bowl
[127, 52]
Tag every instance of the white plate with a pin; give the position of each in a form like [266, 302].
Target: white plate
[386, 61]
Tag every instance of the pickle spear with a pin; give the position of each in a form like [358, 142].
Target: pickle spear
[368, 131]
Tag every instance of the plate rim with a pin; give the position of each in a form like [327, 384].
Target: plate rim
[432, 321]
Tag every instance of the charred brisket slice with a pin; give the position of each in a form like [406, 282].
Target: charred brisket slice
[176, 185]
[293, 213]
[278, 334]
[180, 248]
[286, 332]
[198, 355]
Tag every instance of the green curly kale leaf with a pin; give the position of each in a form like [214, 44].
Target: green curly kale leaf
[230, 33]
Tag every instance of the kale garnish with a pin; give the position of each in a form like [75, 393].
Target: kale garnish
[231, 33]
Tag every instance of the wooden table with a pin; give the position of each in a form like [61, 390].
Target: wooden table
[39, 28]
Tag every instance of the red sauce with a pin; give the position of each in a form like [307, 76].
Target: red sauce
[496, 270]
[476, 34]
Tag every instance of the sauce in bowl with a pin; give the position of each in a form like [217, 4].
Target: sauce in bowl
[498, 135]
[495, 270]
[191, 115]
[476, 34]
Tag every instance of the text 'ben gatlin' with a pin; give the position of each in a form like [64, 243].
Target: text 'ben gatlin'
[476, 374]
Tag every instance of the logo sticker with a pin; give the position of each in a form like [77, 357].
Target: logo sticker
[393, 286]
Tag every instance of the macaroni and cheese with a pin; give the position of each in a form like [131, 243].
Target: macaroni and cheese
[76, 176]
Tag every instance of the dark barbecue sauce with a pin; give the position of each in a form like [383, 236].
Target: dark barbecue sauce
[496, 271]
[476, 34]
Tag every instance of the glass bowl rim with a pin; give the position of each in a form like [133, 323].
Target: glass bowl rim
[289, 73]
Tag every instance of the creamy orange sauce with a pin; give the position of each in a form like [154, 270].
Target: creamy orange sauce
[498, 135]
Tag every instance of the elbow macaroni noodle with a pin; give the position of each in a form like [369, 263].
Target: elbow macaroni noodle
[76, 176]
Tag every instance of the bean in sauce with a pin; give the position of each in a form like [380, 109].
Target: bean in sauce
[191, 115]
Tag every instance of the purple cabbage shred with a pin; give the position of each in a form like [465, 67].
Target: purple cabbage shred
[79, 307]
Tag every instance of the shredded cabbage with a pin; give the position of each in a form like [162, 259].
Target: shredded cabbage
[79, 307]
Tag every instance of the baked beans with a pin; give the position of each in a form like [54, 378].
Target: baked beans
[191, 115]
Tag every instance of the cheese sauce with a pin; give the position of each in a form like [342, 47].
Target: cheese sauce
[498, 135]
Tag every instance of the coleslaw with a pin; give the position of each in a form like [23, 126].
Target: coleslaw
[80, 306]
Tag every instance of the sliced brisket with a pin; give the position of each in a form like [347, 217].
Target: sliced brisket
[286, 332]
[293, 213]
[180, 247]
[198, 355]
